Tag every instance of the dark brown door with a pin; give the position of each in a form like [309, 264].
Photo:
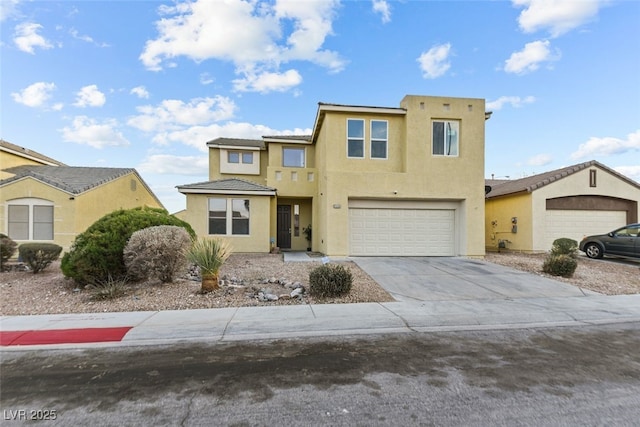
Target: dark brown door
[284, 226]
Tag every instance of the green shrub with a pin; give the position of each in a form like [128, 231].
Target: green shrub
[560, 265]
[110, 288]
[96, 253]
[38, 256]
[156, 252]
[565, 246]
[329, 281]
[7, 248]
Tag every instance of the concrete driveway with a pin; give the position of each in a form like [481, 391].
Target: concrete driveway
[445, 279]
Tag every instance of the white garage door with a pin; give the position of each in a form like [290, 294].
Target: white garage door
[577, 224]
[402, 232]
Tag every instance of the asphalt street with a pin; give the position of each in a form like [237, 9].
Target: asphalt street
[587, 375]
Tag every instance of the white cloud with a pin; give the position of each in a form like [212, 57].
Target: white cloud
[76, 35]
[608, 146]
[530, 58]
[198, 136]
[201, 30]
[206, 79]
[268, 82]
[173, 114]
[557, 16]
[8, 8]
[540, 160]
[632, 172]
[140, 92]
[26, 37]
[382, 7]
[175, 165]
[87, 131]
[90, 96]
[514, 101]
[434, 63]
[35, 95]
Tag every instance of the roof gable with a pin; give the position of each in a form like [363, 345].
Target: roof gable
[534, 182]
[73, 180]
[28, 154]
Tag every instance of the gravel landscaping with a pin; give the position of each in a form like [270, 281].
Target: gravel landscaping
[24, 293]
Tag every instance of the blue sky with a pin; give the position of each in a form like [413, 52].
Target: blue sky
[146, 84]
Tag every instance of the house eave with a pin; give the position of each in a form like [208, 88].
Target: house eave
[226, 192]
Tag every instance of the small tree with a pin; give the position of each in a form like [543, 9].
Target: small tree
[38, 256]
[209, 255]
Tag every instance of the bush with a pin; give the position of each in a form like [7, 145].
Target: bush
[156, 252]
[7, 248]
[565, 246]
[329, 281]
[96, 253]
[560, 265]
[38, 256]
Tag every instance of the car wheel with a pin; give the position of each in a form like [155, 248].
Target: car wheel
[593, 250]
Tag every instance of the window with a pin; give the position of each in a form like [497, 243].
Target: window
[592, 177]
[293, 157]
[30, 219]
[445, 138]
[233, 157]
[228, 216]
[379, 136]
[247, 158]
[355, 138]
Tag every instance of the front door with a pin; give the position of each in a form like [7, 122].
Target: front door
[284, 226]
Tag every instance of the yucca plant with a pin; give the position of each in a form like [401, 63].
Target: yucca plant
[209, 255]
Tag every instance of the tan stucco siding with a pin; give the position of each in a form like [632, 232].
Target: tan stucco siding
[258, 240]
[251, 175]
[499, 226]
[74, 213]
[419, 175]
[10, 160]
[577, 183]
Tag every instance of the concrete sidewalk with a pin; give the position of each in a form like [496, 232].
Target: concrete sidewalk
[258, 323]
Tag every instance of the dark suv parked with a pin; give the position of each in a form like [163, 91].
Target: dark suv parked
[624, 241]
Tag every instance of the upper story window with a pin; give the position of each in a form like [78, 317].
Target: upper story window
[355, 138]
[293, 157]
[446, 138]
[228, 216]
[30, 219]
[236, 156]
[379, 138]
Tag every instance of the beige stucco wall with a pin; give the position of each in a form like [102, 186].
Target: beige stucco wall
[410, 173]
[197, 215]
[498, 225]
[10, 160]
[73, 214]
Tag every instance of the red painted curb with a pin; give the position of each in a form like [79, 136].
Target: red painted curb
[63, 336]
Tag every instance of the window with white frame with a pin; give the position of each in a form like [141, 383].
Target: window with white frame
[379, 139]
[446, 138]
[30, 219]
[228, 216]
[293, 157]
[236, 157]
[355, 138]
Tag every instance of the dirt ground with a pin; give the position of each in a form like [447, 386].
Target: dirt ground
[49, 292]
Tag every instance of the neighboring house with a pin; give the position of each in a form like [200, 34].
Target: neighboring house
[369, 180]
[13, 155]
[50, 203]
[528, 214]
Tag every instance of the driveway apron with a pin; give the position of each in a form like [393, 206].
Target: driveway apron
[456, 278]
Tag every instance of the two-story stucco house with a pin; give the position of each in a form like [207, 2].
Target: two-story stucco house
[405, 181]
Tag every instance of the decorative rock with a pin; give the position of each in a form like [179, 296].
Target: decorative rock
[271, 297]
[284, 296]
[297, 293]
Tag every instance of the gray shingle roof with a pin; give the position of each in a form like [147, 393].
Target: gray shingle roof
[237, 142]
[226, 186]
[532, 183]
[74, 180]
